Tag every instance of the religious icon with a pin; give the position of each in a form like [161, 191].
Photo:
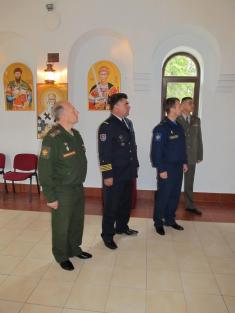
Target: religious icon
[18, 86]
[47, 96]
[103, 81]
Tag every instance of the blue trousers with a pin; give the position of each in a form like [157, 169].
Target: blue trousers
[117, 208]
[168, 195]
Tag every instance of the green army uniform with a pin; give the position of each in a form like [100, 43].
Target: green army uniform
[62, 171]
[194, 154]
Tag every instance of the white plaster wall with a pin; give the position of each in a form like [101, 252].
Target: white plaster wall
[137, 35]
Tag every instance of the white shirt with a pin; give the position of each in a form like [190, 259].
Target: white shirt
[121, 119]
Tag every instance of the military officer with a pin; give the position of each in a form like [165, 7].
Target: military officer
[192, 128]
[118, 164]
[168, 154]
[62, 171]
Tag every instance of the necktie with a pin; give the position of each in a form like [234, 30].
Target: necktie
[187, 120]
[125, 123]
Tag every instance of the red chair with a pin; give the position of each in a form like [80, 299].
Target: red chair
[2, 167]
[27, 165]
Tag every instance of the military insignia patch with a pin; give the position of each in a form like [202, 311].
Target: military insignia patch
[103, 137]
[45, 152]
[69, 154]
[158, 137]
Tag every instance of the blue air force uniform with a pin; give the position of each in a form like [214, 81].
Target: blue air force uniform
[118, 159]
[168, 153]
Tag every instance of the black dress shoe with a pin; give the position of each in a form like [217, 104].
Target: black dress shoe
[110, 244]
[84, 255]
[160, 230]
[194, 211]
[67, 265]
[128, 232]
[177, 226]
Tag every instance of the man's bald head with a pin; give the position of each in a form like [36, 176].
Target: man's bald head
[65, 112]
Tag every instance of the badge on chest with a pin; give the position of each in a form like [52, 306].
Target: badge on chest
[69, 152]
[173, 135]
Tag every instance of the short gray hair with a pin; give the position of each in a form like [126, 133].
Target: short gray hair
[58, 110]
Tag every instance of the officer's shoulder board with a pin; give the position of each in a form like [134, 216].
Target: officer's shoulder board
[55, 131]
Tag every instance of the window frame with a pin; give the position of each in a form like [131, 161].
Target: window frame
[182, 79]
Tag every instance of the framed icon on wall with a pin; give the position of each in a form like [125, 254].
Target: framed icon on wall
[104, 80]
[18, 87]
[47, 96]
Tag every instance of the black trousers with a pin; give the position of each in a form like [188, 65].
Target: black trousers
[167, 196]
[117, 208]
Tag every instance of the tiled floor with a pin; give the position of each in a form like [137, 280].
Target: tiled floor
[191, 271]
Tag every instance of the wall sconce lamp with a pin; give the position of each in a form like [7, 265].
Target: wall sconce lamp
[49, 74]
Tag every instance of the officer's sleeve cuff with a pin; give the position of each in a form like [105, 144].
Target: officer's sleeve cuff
[161, 169]
[106, 170]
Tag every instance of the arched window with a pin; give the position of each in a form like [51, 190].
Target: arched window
[181, 78]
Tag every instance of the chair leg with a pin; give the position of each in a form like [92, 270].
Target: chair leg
[5, 184]
[13, 186]
[30, 190]
[38, 186]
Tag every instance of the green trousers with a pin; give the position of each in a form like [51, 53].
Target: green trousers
[188, 186]
[68, 223]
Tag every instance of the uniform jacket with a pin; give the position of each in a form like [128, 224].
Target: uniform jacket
[168, 145]
[117, 149]
[193, 138]
[62, 161]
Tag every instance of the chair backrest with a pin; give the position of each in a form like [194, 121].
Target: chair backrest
[2, 161]
[25, 162]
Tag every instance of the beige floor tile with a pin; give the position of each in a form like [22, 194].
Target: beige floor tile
[32, 267]
[18, 288]
[131, 259]
[222, 265]
[168, 263]
[18, 248]
[10, 307]
[30, 235]
[183, 249]
[218, 250]
[164, 280]
[230, 303]
[88, 297]
[7, 236]
[8, 263]
[156, 248]
[41, 251]
[50, 293]
[189, 234]
[2, 278]
[94, 274]
[199, 283]
[103, 257]
[129, 277]
[76, 311]
[165, 302]
[46, 238]
[42, 225]
[198, 303]
[196, 264]
[131, 243]
[33, 308]
[125, 300]
[56, 273]
[226, 284]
